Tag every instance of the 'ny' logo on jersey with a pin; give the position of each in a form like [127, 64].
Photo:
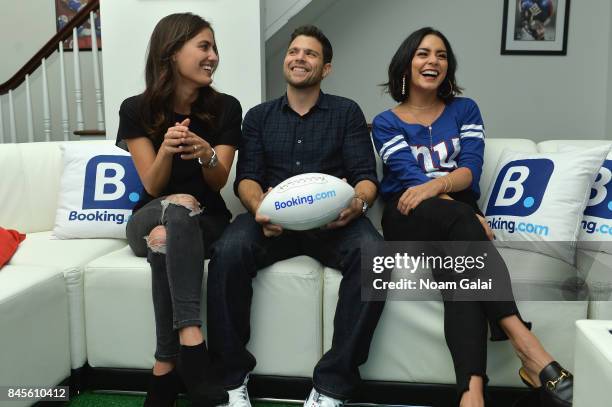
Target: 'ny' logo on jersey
[441, 159]
[535, 10]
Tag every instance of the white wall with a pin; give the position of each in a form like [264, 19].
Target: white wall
[278, 12]
[609, 104]
[540, 97]
[25, 26]
[127, 25]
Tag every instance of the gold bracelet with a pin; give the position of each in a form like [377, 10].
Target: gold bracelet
[445, 188]
[450, 181]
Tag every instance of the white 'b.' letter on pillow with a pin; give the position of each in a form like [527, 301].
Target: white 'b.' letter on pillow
[540, 197]
[99, 187]
[596, 226]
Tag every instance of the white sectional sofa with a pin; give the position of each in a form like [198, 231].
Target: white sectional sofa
[593, 363]
[65, 303]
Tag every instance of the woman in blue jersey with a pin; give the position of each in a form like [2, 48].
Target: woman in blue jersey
[432, 146]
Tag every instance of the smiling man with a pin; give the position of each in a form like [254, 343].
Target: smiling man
[303, 131]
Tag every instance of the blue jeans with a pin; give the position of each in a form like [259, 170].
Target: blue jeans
[176, 274]
[235, 259]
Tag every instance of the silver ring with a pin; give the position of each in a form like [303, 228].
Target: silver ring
[195, 148]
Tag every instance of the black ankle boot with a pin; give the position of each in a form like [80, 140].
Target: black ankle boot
[163, 390]
[195, 370]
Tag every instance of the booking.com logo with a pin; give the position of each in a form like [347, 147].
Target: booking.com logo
[600, 201]
[520, 187]
[511, 226]
[591, 227]
[304, 200]
[111, 183]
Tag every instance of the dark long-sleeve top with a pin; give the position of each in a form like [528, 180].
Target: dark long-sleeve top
[278, 143]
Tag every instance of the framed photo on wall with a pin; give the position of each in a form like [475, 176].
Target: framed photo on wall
[535, 27]
[65, 10]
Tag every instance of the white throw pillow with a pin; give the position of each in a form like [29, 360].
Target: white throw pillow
[539, 198]
[596, 225]
[98, 189]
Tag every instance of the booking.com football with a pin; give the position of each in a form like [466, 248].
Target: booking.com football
[600, 203]
[304, 200]
[111, 185]
[518, 192]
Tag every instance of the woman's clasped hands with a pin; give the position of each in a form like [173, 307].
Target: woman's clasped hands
[179, 139]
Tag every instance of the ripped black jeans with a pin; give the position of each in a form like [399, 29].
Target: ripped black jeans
[177, 264]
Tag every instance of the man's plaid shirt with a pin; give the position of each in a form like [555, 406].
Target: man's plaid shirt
[332, 138]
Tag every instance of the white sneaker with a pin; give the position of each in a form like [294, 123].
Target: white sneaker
[239, 397]
[316, 399]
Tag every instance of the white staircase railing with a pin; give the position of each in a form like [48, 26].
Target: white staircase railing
[33, 134]
[97, 80]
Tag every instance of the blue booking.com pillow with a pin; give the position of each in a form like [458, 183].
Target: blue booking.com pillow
[98, 189]
[539, 198]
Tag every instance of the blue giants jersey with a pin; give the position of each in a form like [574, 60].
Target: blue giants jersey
[413, 154]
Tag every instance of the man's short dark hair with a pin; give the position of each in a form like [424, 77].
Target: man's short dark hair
[312, 31]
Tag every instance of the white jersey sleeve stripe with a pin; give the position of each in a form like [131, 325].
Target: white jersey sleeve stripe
[437, 174]
[393, 149]
[472, 127]
[390, 143]
[475, 134]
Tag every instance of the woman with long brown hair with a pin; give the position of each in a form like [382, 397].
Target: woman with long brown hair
[182, 135]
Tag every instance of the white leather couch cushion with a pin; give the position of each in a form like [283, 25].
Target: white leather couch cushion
[69, 256]
[43, 248]
[596, 269]
[286, 335]
[29, 185]
[227, 192]
[593, 373]
[286, 318]
[119, 311]
[552, 146]
[33, 327]
[540, 277]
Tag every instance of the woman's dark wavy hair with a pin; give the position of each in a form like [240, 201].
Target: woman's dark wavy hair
[401, 64]
[161, 74]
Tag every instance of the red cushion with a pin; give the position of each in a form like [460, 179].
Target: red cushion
[9, 240]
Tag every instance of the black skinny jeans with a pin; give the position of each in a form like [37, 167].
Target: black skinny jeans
[242, 250]
[177, 274]
[438, 219]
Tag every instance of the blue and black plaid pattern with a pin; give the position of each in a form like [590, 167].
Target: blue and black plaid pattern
[332, 138]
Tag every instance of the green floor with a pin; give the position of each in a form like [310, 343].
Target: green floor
[89, 399]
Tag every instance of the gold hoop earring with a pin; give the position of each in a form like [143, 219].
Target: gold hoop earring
[404, 85]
